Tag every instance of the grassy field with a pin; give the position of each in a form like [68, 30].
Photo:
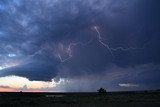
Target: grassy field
[112, 99]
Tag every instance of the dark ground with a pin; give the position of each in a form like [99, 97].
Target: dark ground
[112, 99]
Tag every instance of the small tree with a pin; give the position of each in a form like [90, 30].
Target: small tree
[102, 90]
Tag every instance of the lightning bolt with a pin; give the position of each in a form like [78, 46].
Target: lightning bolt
[101, 42]
[126, 49]
[69, 50]
[110, 48]
[70, 47]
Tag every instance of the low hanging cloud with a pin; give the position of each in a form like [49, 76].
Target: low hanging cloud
[128, 85]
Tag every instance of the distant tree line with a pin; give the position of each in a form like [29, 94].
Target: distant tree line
[102, 90]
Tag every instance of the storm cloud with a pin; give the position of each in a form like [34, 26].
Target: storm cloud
[52, 39]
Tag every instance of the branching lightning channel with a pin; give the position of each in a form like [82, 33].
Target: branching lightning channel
[69, 50]
[110, 48]
[126, 49]
[100, 41]
[70, 47]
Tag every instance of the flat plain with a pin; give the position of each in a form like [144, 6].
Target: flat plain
[110, 99]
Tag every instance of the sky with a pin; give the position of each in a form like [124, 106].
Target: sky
[79, 45]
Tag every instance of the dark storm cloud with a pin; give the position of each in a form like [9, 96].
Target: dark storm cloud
[115, 78]
[4, 87]
[38, 71]
[32, 31]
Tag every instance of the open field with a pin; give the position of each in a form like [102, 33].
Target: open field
[112, 99]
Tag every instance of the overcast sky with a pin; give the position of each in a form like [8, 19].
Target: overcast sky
[79, 45]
